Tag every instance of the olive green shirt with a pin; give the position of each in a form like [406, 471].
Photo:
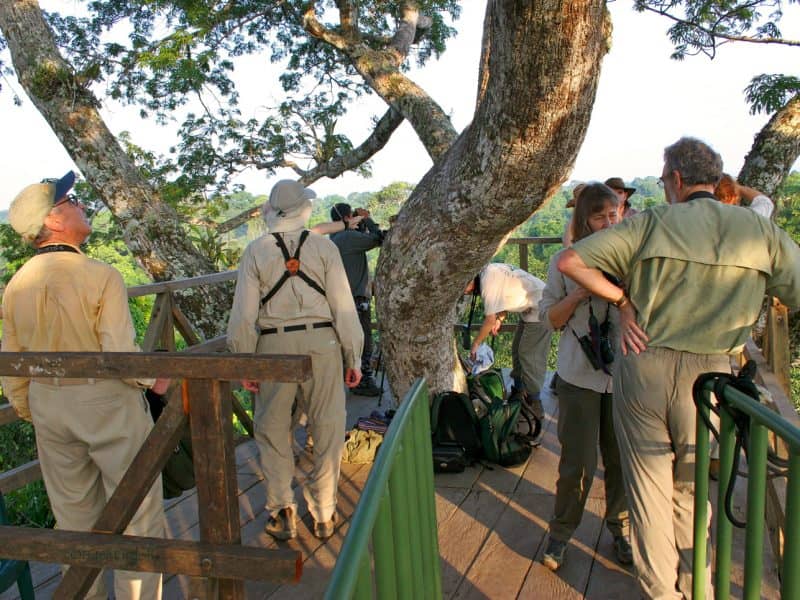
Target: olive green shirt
[296, 302]
[697, 271]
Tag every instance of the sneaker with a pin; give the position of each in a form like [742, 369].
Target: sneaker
[282, 525]
[325, 529]
[554, 555]
[366, 387]
[538, 434]
[623, 550]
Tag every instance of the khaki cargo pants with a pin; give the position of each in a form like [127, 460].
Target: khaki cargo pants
[654, 417]
[87, 436]
[324, 403]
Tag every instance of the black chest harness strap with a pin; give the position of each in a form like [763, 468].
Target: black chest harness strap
[292, 268]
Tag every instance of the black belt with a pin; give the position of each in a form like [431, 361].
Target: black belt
[288, 328]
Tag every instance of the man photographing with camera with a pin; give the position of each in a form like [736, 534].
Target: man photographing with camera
[353, 244]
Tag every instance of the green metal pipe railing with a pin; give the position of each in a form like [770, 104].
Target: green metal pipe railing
[762, 422]
[397, 514]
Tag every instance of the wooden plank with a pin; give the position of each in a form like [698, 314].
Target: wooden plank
[118, 365]
[217, 344]
[244, 417]
[776, 343]
[608, 578]
[184, 326]
[168, 330]
[214, 460]
[7, 414]
[509, 549]
[133, 487]
[153, 555]
[159, 320]
[571, 580]
[15, 478]
[180, 284]
[463, 535]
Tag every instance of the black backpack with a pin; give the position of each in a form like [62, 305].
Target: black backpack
[454, 431]
[177, 476]
[501, 442]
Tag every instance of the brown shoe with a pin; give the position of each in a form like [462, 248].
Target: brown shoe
[325, 529]
[713, 469]
[282, 525]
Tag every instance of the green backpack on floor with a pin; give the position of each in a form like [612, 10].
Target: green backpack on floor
[497, 425]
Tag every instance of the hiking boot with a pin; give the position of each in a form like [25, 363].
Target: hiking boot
[282, 525]
[623, 550]
[554, 555]
[366, 387]
[713, 469]
[325, 529]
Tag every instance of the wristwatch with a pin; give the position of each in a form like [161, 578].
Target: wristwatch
[622, 301]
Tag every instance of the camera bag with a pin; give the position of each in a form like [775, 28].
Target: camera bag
[449, 458]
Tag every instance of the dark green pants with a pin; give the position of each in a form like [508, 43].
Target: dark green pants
[584, 419]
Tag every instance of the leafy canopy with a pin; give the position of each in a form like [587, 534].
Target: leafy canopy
[184, 57]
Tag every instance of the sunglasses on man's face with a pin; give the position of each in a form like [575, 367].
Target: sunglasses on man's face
[71, 198]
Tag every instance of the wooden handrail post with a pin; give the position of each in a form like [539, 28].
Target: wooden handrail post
[776, 343]
[215, 472]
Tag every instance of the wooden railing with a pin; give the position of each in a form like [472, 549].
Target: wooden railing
[218, 564]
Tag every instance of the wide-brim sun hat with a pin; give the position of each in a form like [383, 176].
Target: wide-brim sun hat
[576, 191]
[30, 207]
[617, 183]
[289, 206]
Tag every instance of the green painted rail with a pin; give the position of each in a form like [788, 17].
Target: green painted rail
[397, 513]
[762, 421]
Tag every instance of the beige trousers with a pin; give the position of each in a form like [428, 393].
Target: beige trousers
[87, 436]
[584, 420]
[324, 403]
[654, 417]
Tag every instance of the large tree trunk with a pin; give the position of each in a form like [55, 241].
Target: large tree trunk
[151, 228]
[774, 150]
[539, 70]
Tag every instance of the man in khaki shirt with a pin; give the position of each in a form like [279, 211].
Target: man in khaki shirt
[695, 273]
[87, 431]
[297, 302]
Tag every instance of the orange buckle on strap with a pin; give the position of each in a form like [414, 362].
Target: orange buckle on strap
[293, 266]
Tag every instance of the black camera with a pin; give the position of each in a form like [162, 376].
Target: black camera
[606, 349]
[596, 344]
[588, 349]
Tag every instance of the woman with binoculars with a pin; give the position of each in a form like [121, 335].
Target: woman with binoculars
[585, 354]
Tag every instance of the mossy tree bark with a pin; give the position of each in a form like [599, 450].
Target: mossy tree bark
[540, 65]
[774, 150]
[151, 228]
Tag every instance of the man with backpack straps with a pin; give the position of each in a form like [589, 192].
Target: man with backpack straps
[292, 297]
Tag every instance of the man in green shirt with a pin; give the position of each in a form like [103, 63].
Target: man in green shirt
[694, 274]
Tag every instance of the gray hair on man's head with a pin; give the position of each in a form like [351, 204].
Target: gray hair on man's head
[696, 161]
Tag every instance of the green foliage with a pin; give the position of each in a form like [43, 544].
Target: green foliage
[27, 506]
[769, 93]
[177, 60]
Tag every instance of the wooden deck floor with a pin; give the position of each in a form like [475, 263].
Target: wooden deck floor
[492, 532]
